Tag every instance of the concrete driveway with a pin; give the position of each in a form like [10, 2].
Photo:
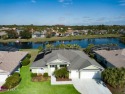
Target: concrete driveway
[90, 86]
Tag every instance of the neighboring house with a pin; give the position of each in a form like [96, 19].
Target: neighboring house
[84, 32]
[78, 63]
[67, 34]
[112, 58]
[9, 63]
[4, 28]
[122, 31]
[38, 34]
[3, 34]
[18, 31]
[75, 33]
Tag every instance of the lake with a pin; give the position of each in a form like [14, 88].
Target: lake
[83, 43]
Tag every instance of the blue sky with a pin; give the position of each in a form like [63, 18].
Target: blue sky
[67, 12]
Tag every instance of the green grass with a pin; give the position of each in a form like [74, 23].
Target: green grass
[61, 38]
[28, 87]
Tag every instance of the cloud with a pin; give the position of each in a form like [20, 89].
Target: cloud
[33, 1]
[66, 3]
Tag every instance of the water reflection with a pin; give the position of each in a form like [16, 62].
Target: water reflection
[83, 43]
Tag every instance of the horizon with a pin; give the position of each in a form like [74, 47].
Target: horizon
[62, 12]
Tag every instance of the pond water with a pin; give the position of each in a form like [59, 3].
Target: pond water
[83, 43]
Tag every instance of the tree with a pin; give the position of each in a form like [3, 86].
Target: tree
[25, 34]
[115, 77]
[88, 49]
[12, 34]
[49, 46]
[40, 48]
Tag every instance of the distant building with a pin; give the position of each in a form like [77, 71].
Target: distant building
[2, 34]
[18, 31]
[111, 58]
[38, 34]
[84, 32]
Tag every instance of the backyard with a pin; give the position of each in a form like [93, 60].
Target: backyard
[26, 86]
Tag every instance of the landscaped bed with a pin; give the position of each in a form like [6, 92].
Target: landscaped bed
[63, 79]
[62, 74]
[116, 91]
[40, 78]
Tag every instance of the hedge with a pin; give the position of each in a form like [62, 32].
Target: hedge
[33, 74]
[28, 56]
[45, 74]
[25, 62]
[12, 81]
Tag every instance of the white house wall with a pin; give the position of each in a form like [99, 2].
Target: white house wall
[74, 74]
[3, 77]
[39, 70]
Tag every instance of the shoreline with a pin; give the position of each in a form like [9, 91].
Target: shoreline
[61, 38]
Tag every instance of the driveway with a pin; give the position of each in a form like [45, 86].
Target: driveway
[90, 86]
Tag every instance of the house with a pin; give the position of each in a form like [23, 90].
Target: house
[75, 32]
[78, 63]
[10, 62]
[84, 32]
[18, 31]
[3, 34]
[111, 58]
[38, 34]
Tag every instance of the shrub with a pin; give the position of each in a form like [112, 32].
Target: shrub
[12, 81]
[25, 62]
[33, 74]
[28, 56]
[40, 48]
[115, 77]
[61, 73]
[45, 75]
[16, 74]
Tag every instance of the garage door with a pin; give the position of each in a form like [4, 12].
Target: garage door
[3, 78]
[91, 74]
[74, 74]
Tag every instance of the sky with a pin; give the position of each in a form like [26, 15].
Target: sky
[64, 12]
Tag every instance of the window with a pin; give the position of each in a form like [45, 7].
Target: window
[52, 66]
[63, 65]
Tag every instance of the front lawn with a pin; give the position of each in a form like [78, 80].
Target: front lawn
[28, 87]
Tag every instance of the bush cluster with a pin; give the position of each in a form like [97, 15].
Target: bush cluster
[28, 56]
[33, 74]
[12, 81]
[45, 75]
[61, 73]
[115, 77]
[25, 62]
